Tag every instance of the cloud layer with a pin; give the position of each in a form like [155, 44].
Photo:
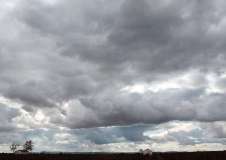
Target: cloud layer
[75, 64]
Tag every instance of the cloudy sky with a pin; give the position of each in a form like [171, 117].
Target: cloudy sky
[102, 75]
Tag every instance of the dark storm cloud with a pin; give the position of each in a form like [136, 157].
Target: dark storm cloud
[116, 108]
[149, 36]
[168, 36]
[89, 51]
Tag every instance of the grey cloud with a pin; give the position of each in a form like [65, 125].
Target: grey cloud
[157, 37]
[7, 115]
[123, 108]
[216, 129]
[72, 51]
[183, 26]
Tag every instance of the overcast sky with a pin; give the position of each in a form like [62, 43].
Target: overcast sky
[122, 75]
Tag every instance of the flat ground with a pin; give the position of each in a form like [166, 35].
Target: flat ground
[215, 155]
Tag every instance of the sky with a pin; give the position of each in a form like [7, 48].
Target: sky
[122, 75]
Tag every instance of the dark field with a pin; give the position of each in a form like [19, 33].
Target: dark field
[215, 155]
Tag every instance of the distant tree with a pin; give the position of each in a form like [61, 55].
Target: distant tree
[28, 146]
[13, 147]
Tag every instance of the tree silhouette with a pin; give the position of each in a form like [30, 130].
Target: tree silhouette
[13, 147]
[28, 146]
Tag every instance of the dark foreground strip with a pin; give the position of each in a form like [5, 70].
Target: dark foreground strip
[217, 155]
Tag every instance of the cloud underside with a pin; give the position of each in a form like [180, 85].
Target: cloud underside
[75, 64]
